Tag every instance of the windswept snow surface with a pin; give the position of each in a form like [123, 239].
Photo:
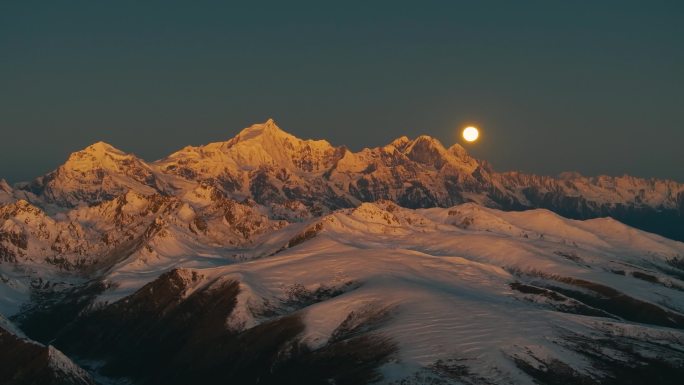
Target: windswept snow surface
[444, 276]
[340, 239]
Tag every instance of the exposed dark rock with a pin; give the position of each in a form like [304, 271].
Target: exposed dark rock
[615, 360]
[609, 300]
[299, 297]
[51, 310]
[645, 277]
[417, 196]
[553, 372]
[24, 362]
[304, 236]
[263, 191]
[560, 302]
[157, 336]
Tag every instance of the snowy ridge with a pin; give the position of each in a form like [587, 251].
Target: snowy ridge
[298, 178]
[405, 257]
[480, 286]
[97, 173]
[85, 236]
[603, 189]
[257, 146]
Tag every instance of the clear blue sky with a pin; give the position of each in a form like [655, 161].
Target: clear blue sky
[592, 86]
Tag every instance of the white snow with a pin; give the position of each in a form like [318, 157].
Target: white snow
[445, 286]
[443, 274]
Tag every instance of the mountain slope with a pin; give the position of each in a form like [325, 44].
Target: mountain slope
[297, 179]
[263, 163]
[271, 259]
[97, 173]
[459, 295]
[28, 362]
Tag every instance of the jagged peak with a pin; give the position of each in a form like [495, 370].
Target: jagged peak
[261, 144]
[426, 141]
[22, 205]
[458, 151]
[98, 155]
[255, 132]
[426, 149]
[270, 132]
[426, 138]
[400, 143]
[268, 128]
[101, 148]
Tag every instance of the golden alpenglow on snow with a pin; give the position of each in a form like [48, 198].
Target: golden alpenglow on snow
[452, 193]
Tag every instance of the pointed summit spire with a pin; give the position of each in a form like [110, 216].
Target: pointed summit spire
[100, 155]
[102, 148]
[261, 145]
[400, 143]
[269, 128]
[459, 151]
[427, 150]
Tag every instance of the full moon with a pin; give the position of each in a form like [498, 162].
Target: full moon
[470, 134]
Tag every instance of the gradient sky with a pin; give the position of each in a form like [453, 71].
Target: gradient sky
[591, 86]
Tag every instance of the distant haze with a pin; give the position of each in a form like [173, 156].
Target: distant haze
[589, 86]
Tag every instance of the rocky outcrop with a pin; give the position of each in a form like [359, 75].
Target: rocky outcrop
[173, 331]
[132, 224]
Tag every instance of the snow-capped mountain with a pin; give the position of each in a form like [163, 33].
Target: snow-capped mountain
[298, 178]
[97, 173]
[443, 295]
[272, 259]
[259, 146]
[91, 237]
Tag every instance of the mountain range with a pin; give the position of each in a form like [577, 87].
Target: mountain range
[271, 259]
[295, 177]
